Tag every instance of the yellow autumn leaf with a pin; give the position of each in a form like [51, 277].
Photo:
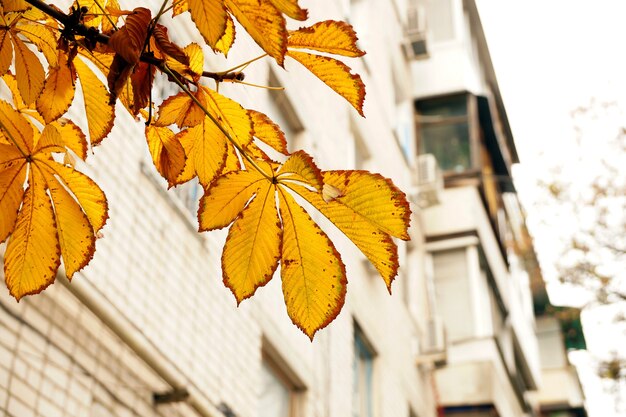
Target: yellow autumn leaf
[28, 71]
[313, 275]
[291, 9]
[73, 137]
[374, 197]
[100, 114]
[264, 22]
[300, 167]
[330, 36]
[180, 6]
[42, 37]
[268, 132]
[210, 18]
[112, 7]
[181, 110]
[252, 248]
[14, 5]
[75, 234]
[208, 151]
[334, 74]
[195, 57]
[12, 176]
[16, 127]
[227, 197]
[58, 91]
[90, 197]
[167, 152]
[232, 117]
[32, 257]
[228, 38]
[232, 162]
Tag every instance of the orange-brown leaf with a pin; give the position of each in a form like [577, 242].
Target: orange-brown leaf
[129, 40]
[141, 81]
[264, 22]
[312, 273]
[330, 36]
[168, 47]
[58, 91]
[167, 152]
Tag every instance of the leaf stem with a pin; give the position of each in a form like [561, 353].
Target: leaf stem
[241, 65]
[166, 70]
[161, 11]
[105, 14]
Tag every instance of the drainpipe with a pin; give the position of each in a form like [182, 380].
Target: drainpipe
[133, 338]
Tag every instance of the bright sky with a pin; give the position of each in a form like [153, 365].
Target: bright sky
[550, 57]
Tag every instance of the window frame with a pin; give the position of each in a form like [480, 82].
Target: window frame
[473, 126]
[286, 376]
[362, 343]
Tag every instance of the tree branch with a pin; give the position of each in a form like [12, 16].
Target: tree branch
[94, 35]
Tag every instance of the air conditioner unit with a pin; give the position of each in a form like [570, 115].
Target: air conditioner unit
[415, 44]
[433, 346]
[428, 180]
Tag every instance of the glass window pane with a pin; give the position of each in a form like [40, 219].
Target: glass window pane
[363, 367]
[446, 106]
[451, 292]
[449, 143]
[275, 395]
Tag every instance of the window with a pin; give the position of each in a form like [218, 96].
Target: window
[363, 373]
[452, 289]
[444, 126]
[189, 195]
[277, 394]
[283, 113]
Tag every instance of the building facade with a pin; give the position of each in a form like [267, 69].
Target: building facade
[480, 256]
[148, 328]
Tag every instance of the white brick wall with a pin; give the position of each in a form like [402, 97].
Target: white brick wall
[165, 280]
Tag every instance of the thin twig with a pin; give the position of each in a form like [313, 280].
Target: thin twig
[166, 70]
